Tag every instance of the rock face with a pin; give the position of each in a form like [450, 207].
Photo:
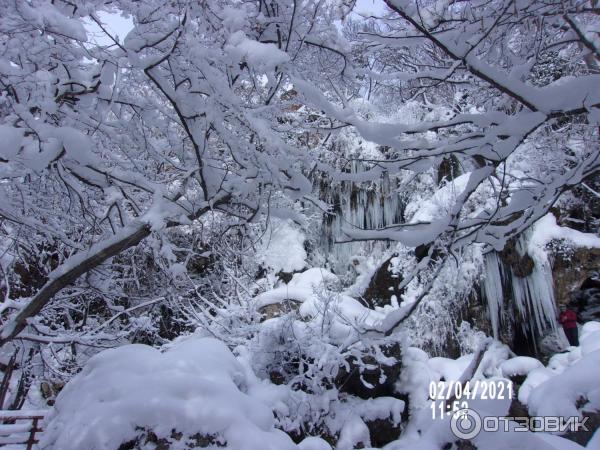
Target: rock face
[278, 309]
[448, 169]
[521, 265]
[475, 312]
[369, 378]
[586, 303]
[572, 269]
[148, 439]
[582, 437]
[383, 285]
[50, 390]
[382, 432]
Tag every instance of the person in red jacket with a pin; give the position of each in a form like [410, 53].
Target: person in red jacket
[568, 320]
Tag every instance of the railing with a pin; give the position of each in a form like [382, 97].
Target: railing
[12, 432]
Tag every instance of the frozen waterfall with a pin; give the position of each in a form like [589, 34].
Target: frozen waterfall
[366, 205]
[533, 305]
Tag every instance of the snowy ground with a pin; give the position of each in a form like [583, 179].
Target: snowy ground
[198, 385]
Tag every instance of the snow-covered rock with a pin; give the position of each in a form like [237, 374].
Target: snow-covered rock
[569, 378]
[520, 365]
[558, 396]
[195, 387]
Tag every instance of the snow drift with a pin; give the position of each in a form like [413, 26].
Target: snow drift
[195, 387]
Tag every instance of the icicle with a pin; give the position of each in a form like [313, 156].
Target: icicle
[534, 294]
[493, 292]
[364, 205]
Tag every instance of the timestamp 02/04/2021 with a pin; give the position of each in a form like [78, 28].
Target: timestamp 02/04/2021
[451, 396]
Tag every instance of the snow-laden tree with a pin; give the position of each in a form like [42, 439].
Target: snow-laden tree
[197, 115]
[104, 146]
[516, 88]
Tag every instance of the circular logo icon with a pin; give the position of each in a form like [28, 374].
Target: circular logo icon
[465, 423]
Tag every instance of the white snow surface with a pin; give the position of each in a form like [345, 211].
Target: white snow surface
[314, 278]
[519, 365]
[196, 386]
[440, 203]
[260, 56]
[450, 369]
[11, 141]
[558, 395]
[546, 229]
[321, 303]
[301, 287]
[551, 390]
[569, 376]
[283, 247]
